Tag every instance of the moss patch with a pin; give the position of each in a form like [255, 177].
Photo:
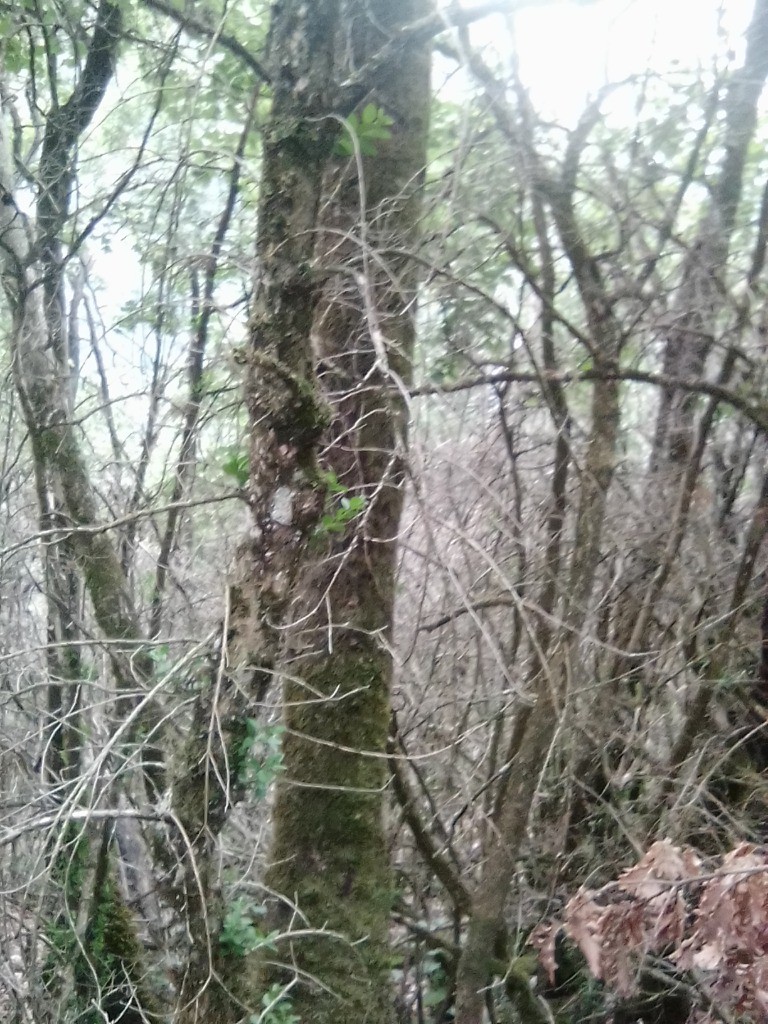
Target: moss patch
[107, 959]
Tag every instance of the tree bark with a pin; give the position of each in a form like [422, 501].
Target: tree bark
[287, 418]
[32, 275]
[699, 296]
[329, 856]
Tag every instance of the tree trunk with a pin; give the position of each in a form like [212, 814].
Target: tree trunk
[287, 418]
[700, 294]
[329, 851]
[32, 276]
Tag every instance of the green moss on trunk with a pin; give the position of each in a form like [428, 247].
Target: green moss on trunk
[109, 976]
[330, 846]
[329, 856]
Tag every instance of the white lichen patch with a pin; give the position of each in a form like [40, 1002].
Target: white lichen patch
[282, 506]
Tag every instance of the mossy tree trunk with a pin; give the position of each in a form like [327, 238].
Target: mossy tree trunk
[287, 418]
[329, 854]
[95, 969]
[325, 401]
[32, 267]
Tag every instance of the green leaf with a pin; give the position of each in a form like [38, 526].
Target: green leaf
[260, 757]
[341, 512]
[239, 935]
[236, 465]
[331, 482]
[371, 126]
[370, 114]
[161, 657]
[278, 1008]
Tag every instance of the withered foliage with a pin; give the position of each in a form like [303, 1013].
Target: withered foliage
[712, 922]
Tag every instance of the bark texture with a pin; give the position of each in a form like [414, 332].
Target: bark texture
[329, 854]
[287, 418]
[33, 281]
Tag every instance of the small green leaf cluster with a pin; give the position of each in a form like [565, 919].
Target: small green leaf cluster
[259, 757]
[160, 655]
[370, 126]
[438, 985]
[341, 508]
[236, 465]
[347, 510]
[278, 1008]
[239, 934]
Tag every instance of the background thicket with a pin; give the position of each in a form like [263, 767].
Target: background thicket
[382, 503]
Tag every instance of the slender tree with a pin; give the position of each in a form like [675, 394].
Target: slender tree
[105, 952]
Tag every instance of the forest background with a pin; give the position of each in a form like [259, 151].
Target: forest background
[382, 496]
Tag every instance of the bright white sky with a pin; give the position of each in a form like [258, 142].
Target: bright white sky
[568, 49]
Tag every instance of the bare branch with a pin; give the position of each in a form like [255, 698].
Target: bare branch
[197, 27]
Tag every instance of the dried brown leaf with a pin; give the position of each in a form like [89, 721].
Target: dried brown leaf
[543, 938]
